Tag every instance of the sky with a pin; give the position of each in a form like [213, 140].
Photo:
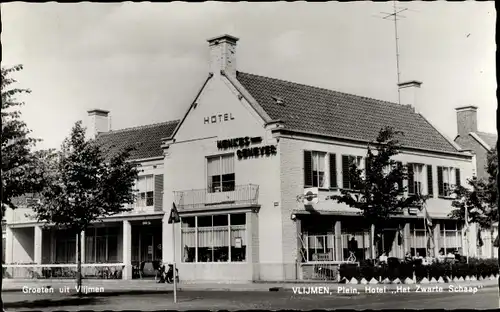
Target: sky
[144, 62]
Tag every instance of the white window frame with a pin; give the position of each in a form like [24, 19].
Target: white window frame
[325, 237]
[419, 179]
[449, 180]
[316, 158]
[458, 235]
[142, 195]
[230, 229]
[210, 187]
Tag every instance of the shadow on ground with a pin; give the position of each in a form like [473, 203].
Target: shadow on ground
[45, 303]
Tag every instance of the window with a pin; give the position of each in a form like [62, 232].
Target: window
[220, 171]
[448, 178]
[320, 247]
[315, 164]
[347, 161]
[416, 179]
[65, 247]
[214, 238]
[145, 191]
[355, 240]
[450, 239]
[101, 245]
[418, 239]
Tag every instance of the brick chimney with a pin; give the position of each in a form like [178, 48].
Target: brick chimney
[98, 122]
[408, 93]
[223, 54]
[466, 120]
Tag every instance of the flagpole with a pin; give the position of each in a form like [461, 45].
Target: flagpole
[174, 273]
[467, 231]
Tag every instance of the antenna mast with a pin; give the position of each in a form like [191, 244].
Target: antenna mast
[394, 16]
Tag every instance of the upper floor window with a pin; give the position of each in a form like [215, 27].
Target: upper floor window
[416, 178]
[320, 169]
[448, 178]
[220, 171]
[145, 190]
[347, 161]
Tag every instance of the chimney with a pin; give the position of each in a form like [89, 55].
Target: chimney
[408, 93]
[223, 54]
[466, 120]
[98, 122]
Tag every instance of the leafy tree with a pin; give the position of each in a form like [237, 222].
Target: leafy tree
[379, 192]
[21, 171]
[480, 198]
[86, 184]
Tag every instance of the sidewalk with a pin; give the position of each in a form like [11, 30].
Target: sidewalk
[152, 286]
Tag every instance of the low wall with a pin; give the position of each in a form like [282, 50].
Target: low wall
[220, 272]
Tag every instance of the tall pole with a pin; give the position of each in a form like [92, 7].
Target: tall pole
[397, 50]
[174, 273]
[467, 231]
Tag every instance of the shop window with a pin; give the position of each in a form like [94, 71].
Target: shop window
[238, 237]
[220, 171]
[450, 239]
[215, 238]
[101, 245]
[418, 239]
[65, 247]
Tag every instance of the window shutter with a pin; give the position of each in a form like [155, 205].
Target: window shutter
[411, 179]
[308, 177]
[345, 172]
[158, 200]
[400, 182]
[333, 171]
[457, 177]
[430, 188]
[440, 181]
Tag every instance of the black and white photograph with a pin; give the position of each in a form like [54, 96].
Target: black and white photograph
[249, 155]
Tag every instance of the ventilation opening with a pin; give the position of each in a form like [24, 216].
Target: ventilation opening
[279, 100]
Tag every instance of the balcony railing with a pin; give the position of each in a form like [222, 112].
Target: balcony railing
[202, 198]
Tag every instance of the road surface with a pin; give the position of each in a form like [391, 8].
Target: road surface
[486, 298]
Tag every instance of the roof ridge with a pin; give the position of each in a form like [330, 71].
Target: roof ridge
[325, 89]
[487, 133]
[140, 127]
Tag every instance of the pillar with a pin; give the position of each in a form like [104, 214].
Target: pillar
[339, 250]
[406, 238]
[436, 233]
[38, 245]
[372, 241]
[9, 238]
[166, 243]
[127, 250]
[82, 246]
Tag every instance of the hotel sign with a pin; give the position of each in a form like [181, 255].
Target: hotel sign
[218, 118]
[245, 151]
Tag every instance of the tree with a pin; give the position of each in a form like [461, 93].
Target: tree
[21, 171]
[379, 192]
[86, 185]
[479, 199]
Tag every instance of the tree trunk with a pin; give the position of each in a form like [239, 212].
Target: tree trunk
[1, 280]
[79, 263]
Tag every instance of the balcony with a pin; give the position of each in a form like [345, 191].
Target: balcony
[204, 198]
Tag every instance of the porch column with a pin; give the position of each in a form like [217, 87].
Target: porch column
[406, 238]
[436, 232]
[127, 250]
[82, 246]
[38, 245]
[9, 237]
[339, 250]
[372, 241]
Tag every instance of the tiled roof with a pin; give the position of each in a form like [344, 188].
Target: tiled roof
[146, 139]
[311, 109]
[489, 138]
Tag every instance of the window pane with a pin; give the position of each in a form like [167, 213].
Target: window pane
[228, 183]
[141, 184]
[149, 183]
[204, 221]
[238, 219]
[213, 166]
[238, 242]
[188, 222]
[227, 164]
[149, 198]
[220, 220]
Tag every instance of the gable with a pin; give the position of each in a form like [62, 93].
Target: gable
[219, 111]
[315, 110]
